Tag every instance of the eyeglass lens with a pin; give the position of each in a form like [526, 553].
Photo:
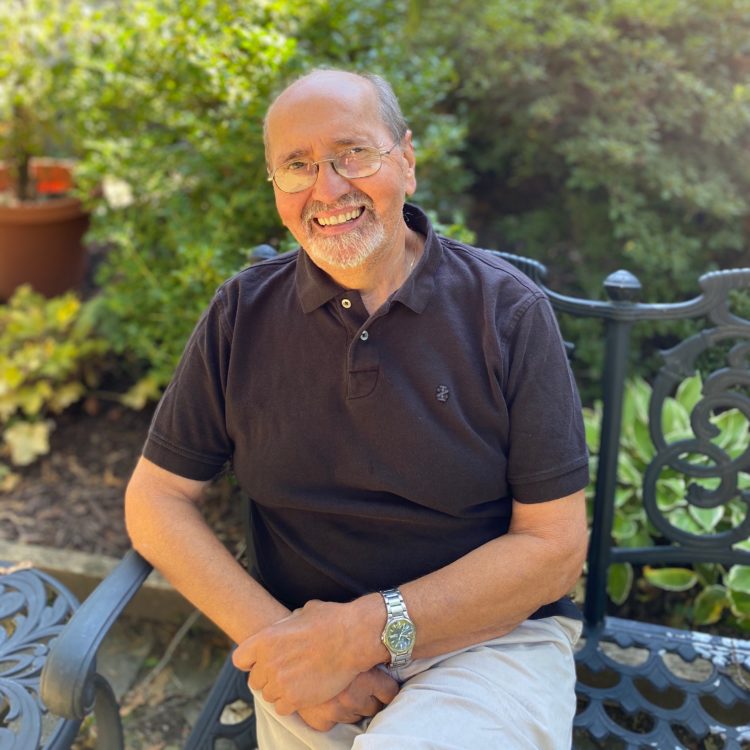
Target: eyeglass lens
[300, 175]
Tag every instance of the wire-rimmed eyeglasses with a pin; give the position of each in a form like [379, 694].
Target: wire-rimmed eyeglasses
[352, 163]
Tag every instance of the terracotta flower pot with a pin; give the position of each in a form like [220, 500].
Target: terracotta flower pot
[41, 242]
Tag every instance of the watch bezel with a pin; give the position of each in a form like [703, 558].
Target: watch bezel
[388, 628]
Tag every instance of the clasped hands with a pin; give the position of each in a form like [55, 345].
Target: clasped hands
[313, 663]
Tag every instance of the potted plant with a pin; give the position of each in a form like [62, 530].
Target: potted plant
[41, 222]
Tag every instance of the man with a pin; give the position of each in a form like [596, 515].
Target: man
[399, 408]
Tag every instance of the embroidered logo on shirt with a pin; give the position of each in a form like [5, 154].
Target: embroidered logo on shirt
[442, 393]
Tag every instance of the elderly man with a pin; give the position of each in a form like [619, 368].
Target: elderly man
[399, 409]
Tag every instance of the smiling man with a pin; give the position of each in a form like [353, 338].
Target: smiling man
[399, 409]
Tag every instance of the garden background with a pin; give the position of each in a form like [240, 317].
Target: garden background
[591, 135]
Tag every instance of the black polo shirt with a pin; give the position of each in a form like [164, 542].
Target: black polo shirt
[375, 449]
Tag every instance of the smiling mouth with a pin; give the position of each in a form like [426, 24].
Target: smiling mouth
[342, 218]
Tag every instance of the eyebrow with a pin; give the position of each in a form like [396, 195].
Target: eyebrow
[338, 143]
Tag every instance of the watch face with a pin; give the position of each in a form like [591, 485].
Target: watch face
[399, 635]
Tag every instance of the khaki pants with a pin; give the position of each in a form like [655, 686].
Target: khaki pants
[511, 693]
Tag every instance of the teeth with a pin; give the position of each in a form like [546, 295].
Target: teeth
[329, 221]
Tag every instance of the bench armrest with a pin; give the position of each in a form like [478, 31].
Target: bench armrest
[67, 683]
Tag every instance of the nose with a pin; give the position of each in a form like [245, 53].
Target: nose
[330, 185]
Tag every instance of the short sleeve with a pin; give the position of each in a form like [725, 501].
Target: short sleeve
[188, 434]
[547, 458]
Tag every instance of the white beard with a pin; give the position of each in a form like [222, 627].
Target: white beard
[349, 250]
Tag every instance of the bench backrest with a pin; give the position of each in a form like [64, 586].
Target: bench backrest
[712, 472]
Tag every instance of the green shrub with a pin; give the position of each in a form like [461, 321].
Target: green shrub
[49, 358]
[712, 588]
[176, 93]
[606, 135]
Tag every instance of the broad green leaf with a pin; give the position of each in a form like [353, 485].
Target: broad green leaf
[624, 496]
[619, 582]
[628, 472]
[675, 418]
[642, 444]
[623, 528]
[708, 518]
[739, 602]
[689, 392]
[670, 579]
[709, 605]
[681, 519]
[738, 578]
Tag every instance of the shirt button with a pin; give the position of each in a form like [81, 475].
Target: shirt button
[364, 335]
[347, 303]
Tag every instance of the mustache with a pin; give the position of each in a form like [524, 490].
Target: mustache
[350, 200]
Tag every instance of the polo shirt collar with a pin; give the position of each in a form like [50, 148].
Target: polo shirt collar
[315, 287]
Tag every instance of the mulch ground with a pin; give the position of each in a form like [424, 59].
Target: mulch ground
[72, 498]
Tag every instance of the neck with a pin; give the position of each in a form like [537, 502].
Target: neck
[377, 279]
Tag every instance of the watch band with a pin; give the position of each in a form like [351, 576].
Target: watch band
[394, 603]
[395, 607]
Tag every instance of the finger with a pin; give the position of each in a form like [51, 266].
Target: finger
[317, 722]
[257, 679]
[243, 657]
[369, 707]
[284, 707]
[385, 690]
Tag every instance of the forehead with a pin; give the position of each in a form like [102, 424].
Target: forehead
[322, 112]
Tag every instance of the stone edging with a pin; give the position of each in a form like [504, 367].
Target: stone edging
[81, 572]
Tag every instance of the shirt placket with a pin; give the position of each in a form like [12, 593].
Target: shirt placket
[362, 359]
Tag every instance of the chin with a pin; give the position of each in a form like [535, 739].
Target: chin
[345, 251]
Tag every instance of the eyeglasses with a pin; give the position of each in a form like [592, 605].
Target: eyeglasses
[355, 162]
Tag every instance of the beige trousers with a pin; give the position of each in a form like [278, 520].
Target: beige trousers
[511, 693]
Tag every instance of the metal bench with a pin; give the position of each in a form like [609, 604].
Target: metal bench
[658, 699]
[34, 608]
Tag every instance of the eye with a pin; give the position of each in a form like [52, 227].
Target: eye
[295, 166]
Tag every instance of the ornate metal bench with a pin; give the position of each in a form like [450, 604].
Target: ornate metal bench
[658, 699]
[34, 608]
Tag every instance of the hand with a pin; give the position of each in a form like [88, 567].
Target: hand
[367, 695]
[302, 661]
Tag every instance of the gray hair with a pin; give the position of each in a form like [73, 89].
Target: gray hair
[388, 106]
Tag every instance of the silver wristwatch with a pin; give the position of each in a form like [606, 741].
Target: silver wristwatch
[399, 632]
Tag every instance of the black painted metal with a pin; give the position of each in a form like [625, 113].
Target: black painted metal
[34, 607]
[230, 688]
[70, 686]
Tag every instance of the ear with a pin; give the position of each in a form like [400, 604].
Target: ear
[410, 162]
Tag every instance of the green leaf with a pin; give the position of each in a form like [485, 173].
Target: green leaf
[627, 470]
[619, 582]
[670, 579]
[739, 603]
[708, 518]
[681, 519]
[709, 605]
[675, 419]
[738, 578]
[623, 528]
[689, 392]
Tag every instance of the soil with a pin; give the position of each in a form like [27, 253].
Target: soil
[72, 498]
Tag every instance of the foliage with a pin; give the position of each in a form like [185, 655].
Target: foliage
[49, 358]
[41, 44]
[606, 135]
[713, 589]
[175, 95]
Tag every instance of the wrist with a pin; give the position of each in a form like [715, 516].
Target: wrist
[368, 617]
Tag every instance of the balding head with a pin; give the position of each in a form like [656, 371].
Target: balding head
[322, 79]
